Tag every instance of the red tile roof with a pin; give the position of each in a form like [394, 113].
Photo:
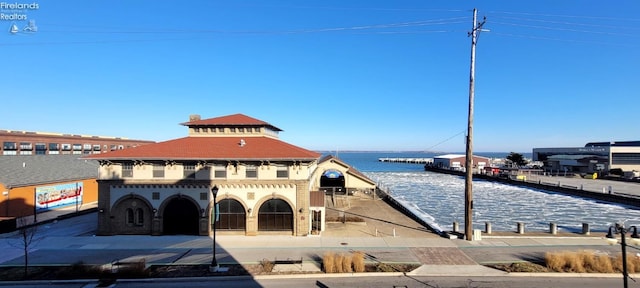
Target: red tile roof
[231, 120]
[210, 148]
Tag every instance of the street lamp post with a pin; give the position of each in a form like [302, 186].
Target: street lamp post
[214, 263]
[623, 242]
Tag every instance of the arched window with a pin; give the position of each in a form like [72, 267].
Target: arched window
[332, 181]
[275, 215]
[139, 217]
[232, 215]
[129, 216]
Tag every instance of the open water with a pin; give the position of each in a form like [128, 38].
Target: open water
[439, 198]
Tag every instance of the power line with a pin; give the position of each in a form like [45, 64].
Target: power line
[128, 30]
[570, 23]
[523, 36]
[565, 29]
[446, 140]
[566, 16]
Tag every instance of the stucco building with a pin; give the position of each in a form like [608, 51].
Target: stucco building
[265, 185]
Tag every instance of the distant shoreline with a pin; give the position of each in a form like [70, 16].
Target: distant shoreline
[416, 152]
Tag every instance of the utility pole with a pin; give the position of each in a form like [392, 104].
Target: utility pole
[468, 187]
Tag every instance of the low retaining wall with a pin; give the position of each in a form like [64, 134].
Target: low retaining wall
[388, 198]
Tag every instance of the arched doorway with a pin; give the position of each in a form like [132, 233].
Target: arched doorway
[180, 216]
[232, 215]
[332, 180]
[275, 215]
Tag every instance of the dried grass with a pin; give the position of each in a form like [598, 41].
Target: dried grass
[633, 262]
[555, 261]
[603, 264]
[574, 262]
[328, 262]
[589, 262]
[338, 263]
[347, 262]
[358, 261]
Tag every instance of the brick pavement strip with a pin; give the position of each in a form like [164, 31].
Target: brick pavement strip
[442, 256]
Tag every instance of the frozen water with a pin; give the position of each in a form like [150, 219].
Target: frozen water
[440, 199]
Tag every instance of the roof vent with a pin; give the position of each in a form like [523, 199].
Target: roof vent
[242, 143]
[194, 117]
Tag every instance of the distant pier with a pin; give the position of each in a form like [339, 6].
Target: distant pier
[407, 160]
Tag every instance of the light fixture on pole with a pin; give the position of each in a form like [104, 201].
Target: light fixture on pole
[623, 242]
[214, 263]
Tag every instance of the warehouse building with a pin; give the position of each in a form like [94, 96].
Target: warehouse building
[594, 157]
[31, 185]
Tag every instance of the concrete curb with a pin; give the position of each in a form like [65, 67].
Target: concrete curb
[580, 275]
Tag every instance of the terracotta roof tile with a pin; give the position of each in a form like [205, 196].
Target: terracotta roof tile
[230, 120]
[203, 148]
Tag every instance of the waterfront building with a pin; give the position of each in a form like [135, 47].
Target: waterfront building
[34, 184]
[43, 143]
[593, 157]
[457, 162]
[265, 185]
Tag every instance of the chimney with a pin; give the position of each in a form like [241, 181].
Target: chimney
[194, 117]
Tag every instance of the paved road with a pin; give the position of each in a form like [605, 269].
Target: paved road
[593, 185]
[351, 281]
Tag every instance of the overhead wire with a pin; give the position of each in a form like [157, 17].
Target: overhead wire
[565, 16]
[567, 23]
[446, 140]
[387, 28]
[118, 30]
[564, 29]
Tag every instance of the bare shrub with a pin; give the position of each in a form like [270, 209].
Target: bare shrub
[338, 263]
[358, 261]
[266, 265]
[347, 261]
[27, 238]
[328, 262]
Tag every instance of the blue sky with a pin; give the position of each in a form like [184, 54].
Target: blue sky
[334, 75]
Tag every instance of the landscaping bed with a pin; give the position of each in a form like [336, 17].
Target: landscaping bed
[80, 271]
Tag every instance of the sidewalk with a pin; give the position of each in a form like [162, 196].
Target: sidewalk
[412, 244]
